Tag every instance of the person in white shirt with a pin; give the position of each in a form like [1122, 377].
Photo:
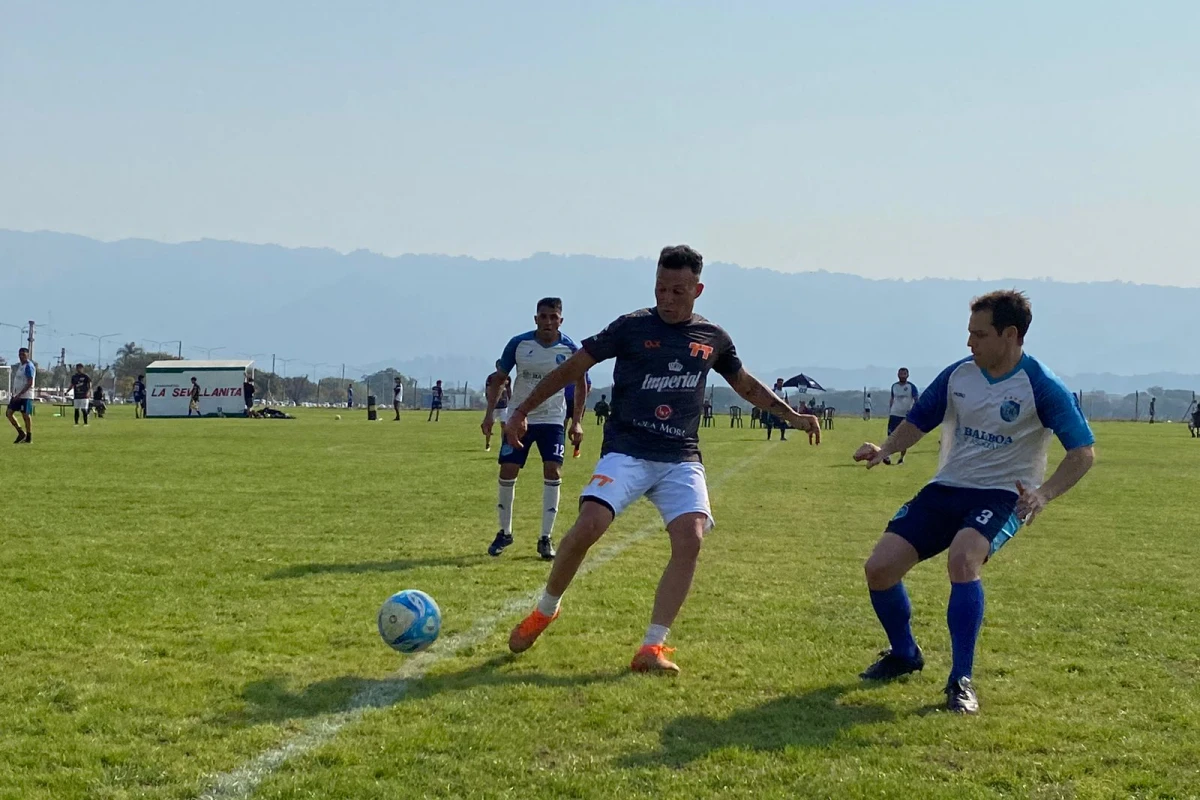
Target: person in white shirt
[24, 377]
[535, 354]
[867, 409]
[999, 408]
[397, 396]
[904, 397]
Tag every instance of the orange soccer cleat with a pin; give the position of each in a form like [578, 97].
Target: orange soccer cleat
[526, 633]
[651, 659]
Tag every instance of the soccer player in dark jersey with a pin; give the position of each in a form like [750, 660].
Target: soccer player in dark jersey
[248, 393]
[435, 407]
[81, 388]
[139, 396]
[663, 356]
[98, 404]
[602, 410]
[194, 399]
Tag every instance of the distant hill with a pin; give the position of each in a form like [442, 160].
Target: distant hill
[448, 317]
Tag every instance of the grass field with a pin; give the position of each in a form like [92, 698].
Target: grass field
[179, 598]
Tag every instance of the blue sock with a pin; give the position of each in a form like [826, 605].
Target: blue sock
[895, 611]
[964, 616]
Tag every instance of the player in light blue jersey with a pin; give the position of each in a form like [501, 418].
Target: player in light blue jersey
[535, 355]
[24, 379]
[999, 409]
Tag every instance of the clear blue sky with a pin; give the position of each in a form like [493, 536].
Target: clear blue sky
[888, 139]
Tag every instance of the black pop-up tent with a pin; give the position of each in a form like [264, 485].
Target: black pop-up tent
[803, 383]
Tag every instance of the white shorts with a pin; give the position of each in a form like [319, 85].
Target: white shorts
[82, 405]
[502, 415]
[674, 488]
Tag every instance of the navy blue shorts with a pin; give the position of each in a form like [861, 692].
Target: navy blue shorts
[893, 423]
[20, 406]
[930, 520]
[551, 443]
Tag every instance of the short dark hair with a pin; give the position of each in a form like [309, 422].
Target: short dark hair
[79, 366]
[24, 350]
[680, 256]
[553, 303]
[1010, 309]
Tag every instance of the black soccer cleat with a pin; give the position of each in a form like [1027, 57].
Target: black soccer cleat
[546, 548]
[891, 666]
[20, 437]
[961, 698]
[501, 541]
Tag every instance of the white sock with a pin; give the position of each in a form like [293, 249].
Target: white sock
[550, 495]
[548, 605]
[656, 634]
[505, 504]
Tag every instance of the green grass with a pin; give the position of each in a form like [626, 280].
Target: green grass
[177, 597]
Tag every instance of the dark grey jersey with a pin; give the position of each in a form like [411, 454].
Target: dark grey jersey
[659, 382]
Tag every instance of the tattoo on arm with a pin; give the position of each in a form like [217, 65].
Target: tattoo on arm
[757, 394]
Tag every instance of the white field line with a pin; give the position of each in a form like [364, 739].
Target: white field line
[242, 782]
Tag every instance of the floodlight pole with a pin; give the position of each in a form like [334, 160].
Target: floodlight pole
[99, 341]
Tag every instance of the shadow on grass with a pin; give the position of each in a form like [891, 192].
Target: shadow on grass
[396, 565]
[269, 700]
[814, 719]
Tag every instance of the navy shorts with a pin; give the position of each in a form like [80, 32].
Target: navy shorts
[551, 443]
[436, 406]
[893, 423]
[930, 520]
[20, 406]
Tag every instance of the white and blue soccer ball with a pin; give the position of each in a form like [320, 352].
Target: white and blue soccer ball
[409, 621]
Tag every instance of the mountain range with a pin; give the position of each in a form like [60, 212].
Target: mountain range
[448, 317]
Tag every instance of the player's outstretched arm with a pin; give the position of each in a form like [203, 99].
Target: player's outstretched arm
[572, 370]
[1074, 466]
[755, 392]
[905, 436]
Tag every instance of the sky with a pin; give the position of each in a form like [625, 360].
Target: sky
[890, 140]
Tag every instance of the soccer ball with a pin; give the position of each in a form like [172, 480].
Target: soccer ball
[409, 621]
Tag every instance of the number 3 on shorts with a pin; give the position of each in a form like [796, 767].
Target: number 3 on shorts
[984, 517]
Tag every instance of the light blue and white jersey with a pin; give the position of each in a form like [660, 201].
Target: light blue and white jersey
[534, 361]
[24, 376]
[904, 397]
[996, 430]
